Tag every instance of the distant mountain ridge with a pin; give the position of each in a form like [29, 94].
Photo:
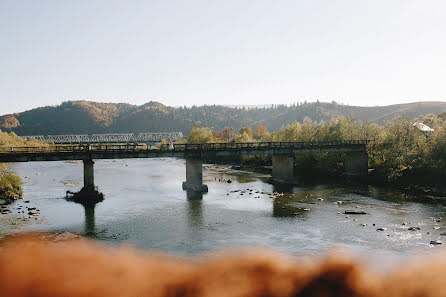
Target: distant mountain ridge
[86, 117]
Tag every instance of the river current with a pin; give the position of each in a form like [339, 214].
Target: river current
[145, 206]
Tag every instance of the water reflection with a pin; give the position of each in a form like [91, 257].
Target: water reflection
[88, 198]
[283, 188]
[194, 212]
[281, 209]
[90, 227]
[244, 179]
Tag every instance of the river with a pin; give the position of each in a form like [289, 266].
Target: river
[145, 206]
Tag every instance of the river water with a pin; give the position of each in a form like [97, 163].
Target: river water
[145, 206]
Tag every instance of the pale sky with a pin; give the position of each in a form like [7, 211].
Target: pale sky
[359, 52]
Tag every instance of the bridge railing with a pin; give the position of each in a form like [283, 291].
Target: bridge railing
[73, 148]
[261, 145]
[132, 147]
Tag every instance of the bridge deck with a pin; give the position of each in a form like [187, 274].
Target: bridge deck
[114, 151]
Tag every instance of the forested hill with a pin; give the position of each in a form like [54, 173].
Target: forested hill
[75, 117]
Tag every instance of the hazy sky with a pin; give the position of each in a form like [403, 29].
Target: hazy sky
[359, 52]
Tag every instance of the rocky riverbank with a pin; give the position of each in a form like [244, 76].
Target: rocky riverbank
[19, 215]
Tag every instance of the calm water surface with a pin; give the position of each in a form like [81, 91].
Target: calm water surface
[144, 205]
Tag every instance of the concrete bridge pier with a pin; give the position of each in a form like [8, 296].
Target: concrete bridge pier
[194, 176]
[283, 169]
[88, 174]
[356, 164]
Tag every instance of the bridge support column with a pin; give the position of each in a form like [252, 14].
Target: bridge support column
[283, 169]
[194, 176]
[88, 174]
[356, 164]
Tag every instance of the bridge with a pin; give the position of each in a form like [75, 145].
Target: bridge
[356, 162]
[147, 137]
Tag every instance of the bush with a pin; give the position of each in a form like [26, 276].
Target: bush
[200, 135]
[10, 186]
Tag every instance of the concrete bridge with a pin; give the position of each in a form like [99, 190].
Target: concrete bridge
[356, 162]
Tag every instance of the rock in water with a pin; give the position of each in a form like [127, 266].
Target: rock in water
[414, 228]
[355, 212]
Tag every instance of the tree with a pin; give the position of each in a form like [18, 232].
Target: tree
[246, 130]
[218, 134]
[261, 130]
[399, 150]
[228, 133]
[244, 137]
[200, 135]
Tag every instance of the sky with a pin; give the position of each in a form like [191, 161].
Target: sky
[230, 52]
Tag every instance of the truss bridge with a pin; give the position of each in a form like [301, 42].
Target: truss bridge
[146, 137]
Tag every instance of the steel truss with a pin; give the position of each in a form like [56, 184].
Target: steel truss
[107, 138]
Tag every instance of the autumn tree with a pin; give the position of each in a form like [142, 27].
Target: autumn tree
[261, 130]
[200, 135]
[246, 130]
[228, 133]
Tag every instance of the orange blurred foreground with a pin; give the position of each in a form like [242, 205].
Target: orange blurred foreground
[31, 266]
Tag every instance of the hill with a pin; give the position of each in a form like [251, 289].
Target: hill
[85, 117]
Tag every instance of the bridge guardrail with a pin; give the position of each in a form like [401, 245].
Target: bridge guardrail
[82, 148]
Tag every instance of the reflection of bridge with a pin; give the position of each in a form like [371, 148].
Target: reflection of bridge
[356, 162]
[107, 138]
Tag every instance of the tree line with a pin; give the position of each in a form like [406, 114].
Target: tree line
[85, 117]
[399, 152]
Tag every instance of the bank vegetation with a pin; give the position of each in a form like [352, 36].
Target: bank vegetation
[399, 151]
[10, 183]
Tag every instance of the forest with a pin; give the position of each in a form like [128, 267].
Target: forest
[86, 117]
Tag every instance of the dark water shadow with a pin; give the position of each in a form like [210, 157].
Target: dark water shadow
[282, 211]
[283, 188]
[194, 212]
[90, 226]
[88, 198]
[244, 179]
[394, 195]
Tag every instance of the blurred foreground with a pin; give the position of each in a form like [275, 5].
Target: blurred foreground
[44, 265]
